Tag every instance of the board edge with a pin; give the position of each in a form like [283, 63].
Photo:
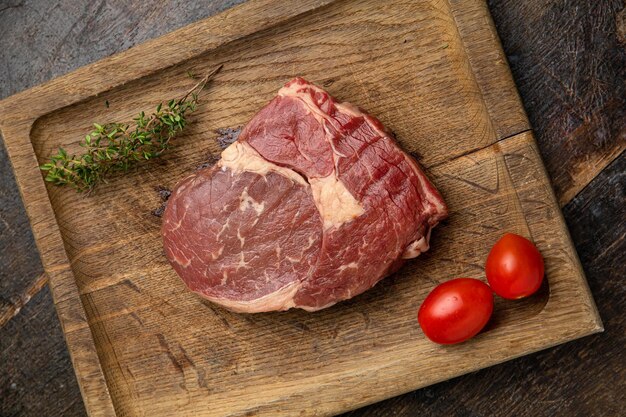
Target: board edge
[163, 52]
[594, 328]
[71, 88]
[489, 64]
[81, 346]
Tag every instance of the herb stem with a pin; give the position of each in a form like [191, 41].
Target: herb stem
[118, 146]
[200, 85]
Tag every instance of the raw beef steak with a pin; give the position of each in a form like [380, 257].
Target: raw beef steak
[313, 204]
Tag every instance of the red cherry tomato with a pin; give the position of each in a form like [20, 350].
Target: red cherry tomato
[514, 267]
[456, 310]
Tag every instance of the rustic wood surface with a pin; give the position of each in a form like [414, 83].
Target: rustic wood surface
[596, 360]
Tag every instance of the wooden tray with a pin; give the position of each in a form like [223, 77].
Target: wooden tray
[433, 72]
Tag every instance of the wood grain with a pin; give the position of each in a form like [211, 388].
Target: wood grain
[570, 63]
[21, 273]
[586, 377]
[503, 185]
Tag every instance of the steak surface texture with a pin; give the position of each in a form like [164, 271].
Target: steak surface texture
[313, 204]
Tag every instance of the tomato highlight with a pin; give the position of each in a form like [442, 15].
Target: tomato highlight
[514, 267]
[456, 310]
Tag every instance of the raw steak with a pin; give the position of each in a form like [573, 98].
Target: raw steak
[313, 204]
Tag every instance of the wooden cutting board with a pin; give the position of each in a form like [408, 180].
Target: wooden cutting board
[433, 71]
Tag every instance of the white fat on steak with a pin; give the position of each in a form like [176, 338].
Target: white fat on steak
[240, 157]
[313, 204]
[295, 90]
[279, 300]
[417, 247]
[247, 201]
[333, 200]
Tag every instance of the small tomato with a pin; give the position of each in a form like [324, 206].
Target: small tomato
[514, 267]
[456, 310]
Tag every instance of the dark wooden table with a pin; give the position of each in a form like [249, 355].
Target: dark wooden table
[569, 62]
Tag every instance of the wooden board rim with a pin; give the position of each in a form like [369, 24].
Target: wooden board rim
[16, 131]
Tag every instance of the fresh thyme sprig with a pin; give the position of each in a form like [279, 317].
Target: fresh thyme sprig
[118, 146]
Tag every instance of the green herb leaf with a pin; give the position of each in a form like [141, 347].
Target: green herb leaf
[116, 146]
